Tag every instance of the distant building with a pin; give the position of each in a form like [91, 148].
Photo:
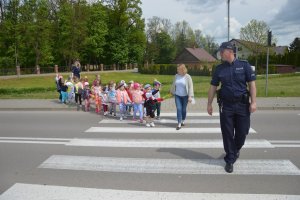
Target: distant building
[246, 48]
[194, 57]
[281, 50]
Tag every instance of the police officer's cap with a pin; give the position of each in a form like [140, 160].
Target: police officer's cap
[226, 45]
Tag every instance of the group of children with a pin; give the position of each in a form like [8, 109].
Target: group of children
[145, 100]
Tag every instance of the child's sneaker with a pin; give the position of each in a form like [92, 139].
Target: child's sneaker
[148, 125]
[133, 119]
[152, 124]
[141, 121]
[121, 118]
[158, 118]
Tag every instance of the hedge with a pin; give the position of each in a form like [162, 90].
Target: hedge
[171, 69]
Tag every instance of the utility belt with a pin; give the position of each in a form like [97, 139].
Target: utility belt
[244, 98]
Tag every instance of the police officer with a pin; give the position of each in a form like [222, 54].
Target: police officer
[233, 99]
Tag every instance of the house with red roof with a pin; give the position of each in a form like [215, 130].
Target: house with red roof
[195, 58]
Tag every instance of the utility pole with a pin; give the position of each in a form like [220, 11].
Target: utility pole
[267, 66]
[228, 17]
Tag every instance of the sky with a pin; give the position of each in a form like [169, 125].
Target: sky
[210, 16]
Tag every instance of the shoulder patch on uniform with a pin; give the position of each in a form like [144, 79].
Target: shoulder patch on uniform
[253, 68]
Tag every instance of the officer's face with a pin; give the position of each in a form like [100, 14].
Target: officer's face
[227, 55]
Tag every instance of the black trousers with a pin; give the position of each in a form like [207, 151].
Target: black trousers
[157, 106]
[78, 98]
[235, 125]
[149, 105]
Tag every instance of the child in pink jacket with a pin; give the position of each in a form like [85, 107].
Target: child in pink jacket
[122, 99]
[137, 98]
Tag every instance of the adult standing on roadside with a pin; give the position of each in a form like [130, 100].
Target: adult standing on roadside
[182, 89]
[76, 69]
[233, 100]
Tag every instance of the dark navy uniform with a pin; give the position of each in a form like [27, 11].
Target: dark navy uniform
[233, 99]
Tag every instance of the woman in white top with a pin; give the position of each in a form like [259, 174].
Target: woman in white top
[182, 89]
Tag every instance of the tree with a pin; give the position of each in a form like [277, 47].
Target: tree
[35, 33]
[97, 30]
[295, 45]
[125, 20]
[200, 39]
[183, 36]
[166, 48]
[72, 29]
[157, 31]
[9, 35]
[256, 34]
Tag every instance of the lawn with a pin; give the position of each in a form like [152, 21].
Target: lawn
[43, 87]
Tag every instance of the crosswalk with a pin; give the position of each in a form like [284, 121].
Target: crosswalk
[204, 132]
[46, 192]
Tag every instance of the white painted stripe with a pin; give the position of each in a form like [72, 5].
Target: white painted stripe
[156, 143]
[285, 141]
[162, 121]
[21, 191]
[287, 145]
[33, 138]
[30, 142]
[144, 130]
[189, 114]
[169, 166]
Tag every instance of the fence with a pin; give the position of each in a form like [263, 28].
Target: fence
[55, 69]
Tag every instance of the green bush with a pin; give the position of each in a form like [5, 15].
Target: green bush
[171, 69]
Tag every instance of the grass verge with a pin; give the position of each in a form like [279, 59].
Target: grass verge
[44, 87]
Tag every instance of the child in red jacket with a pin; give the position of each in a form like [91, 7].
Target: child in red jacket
[149, 104]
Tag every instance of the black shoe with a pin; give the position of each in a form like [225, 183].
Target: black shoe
[182, 124]
[237, 154]
[178, 127]
[229, 167]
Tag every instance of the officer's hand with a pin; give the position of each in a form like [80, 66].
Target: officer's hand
[190, 99]
[209, 109]
[252, 107]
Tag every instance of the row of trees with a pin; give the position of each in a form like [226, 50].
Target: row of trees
[48, 32]
[165, 40]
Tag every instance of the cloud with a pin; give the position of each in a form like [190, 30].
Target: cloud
[287, 21]
[244, 2]
[201, 5]
[219, 32]
[235, 27]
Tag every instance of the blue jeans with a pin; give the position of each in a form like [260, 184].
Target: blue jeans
[64, 97]
[138, 108]
[181, 104]
[122, 107]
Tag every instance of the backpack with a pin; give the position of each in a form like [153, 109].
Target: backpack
[86, 94]
[78, 89]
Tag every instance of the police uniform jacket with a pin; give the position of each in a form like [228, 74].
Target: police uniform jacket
[234, 78]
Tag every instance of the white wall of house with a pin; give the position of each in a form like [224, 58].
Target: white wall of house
[242, 51]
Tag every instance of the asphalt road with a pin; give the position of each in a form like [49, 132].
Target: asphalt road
[57, 149]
